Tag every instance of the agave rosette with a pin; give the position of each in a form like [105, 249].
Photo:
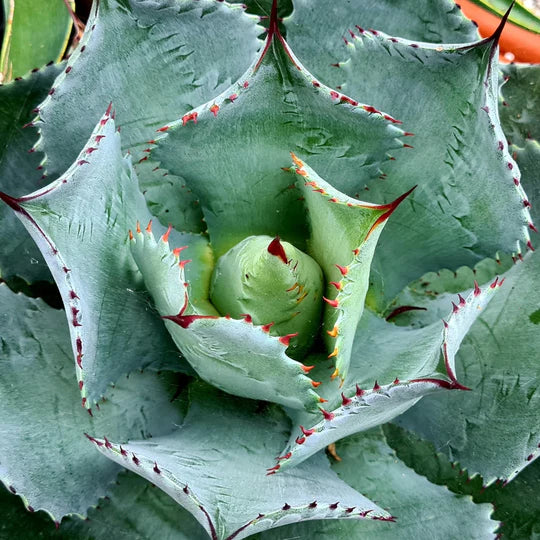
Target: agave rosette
[263, 279]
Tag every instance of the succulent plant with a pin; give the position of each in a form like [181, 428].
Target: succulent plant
[255, 238]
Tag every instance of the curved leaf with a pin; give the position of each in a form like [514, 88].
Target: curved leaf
[361, 409]
[44, 455]
[112, 329]
[276, 107]
[223, 483]
[181, 54]
[318, 31]
[495, 429]
[20, 171]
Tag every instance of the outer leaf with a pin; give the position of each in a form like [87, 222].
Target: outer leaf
[520, 108]
[45, 457]
[458, 149]
[495, 429]
[421, 509]
[18, 175]
[112, 329]
[275, 107]
[181, 54]
[233, 355]
[321, 38]
[134, 509]
[36, 33]
[344, 233]
[224, 485]
[365, 409]
[516, 505]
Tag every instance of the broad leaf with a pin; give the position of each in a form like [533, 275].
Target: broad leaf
[20, 172]
[343, 235]
[276, 107]
[318, 31]
[224, 482]
[420, 509]
[360, 409]
[181, 54]
[493, 430]
[45, 457]
[112, 329]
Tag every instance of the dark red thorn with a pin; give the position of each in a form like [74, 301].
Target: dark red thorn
[526, 203]
[498, 31]
[30, 509]
[313, 504]
[343, 269]
[286, 507]
[247, 317]
[334, 95]
[276, 248]
[359, 391]
[350, 510]
[185, 320]
[316, 84]
[122, 451]
[307, 432]
[92, 439]
[164, 128]
[108, 445]
[494, 284]
[365, 513]
[90, 412]
[477, 289]
[135, 459]
[143, 159]
[82, 162]
[333, 303]
[533, 228]
[274, 468]
[185, 489]
[51, 91]
[407, 146]
[337, 285]
[57, 524]
[300, 440]
[316, 384]
[81, 384]
[246, 84]
[530, 457]
[445, 323]
[27, 125]
[370, 109]
[266, 327]
[516, 181]
[286, 456]
[306, 369]
[345, 400]
[455, 309]
[90, 150]
[232, 97]
[529, 245]
[403, 309]
[408, 134]
[13, 490]
[461, 300]
[156, 469]
[333, 506]
[284, 340]
[327, 415]
[376, 387]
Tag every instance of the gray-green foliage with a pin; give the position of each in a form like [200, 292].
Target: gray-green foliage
[370, 140]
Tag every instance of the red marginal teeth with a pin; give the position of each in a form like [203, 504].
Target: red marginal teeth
[307, 432]
[286, 339]
[333, 303]
[327, 415]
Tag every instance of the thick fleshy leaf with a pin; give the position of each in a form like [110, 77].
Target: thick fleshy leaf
[133, 509]
[224, 483]
[344, 233]
[44, 455]
[516, 505]
[18, 171]
[276, 107]
[180, 54]
[361, 409]
[520, 104]
[493, 430]
[233, 355]
[459, 147]
[35, 33]
[113, 331]
[317, 30]
[421, 509]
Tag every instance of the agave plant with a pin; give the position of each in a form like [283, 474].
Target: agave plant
[266, 241]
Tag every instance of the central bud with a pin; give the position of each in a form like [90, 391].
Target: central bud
[273, 282]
